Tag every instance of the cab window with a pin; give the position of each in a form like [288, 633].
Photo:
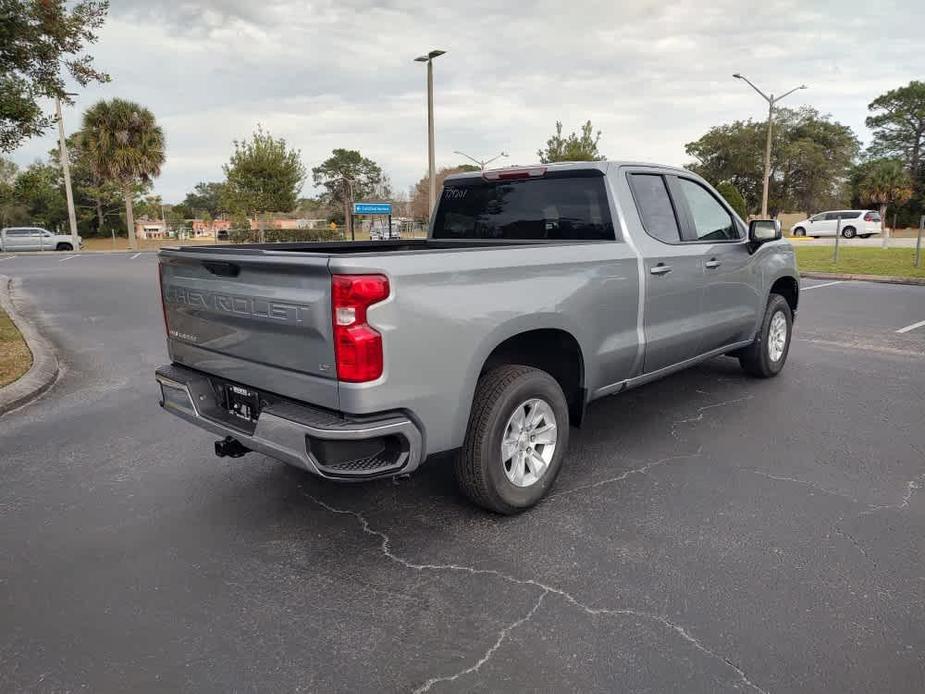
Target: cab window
[711, 221]
[654, 207]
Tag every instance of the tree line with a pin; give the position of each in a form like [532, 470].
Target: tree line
[818, 163]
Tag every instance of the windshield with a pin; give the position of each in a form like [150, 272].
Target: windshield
[569, 208]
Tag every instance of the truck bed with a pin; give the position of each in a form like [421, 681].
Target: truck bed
[345, 248]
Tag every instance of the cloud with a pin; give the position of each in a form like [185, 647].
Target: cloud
[323, 74]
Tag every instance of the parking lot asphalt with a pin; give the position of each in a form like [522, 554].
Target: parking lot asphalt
[709, 532]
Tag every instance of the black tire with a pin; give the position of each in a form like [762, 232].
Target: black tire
[64, 247]
[799, 231]
[848, 232]
[479, 468]
[755, 359]
[865, 236]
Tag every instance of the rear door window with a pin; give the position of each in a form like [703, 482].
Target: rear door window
[565, 208]
[655, 208]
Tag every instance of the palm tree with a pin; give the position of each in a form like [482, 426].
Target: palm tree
[883, 182]
[125, 147]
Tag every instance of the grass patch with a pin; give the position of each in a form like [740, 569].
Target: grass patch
[15, 357]
[857, 260]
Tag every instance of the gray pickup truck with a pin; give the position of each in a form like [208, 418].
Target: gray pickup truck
[537, 291]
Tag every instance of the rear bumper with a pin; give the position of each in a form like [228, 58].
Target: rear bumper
[326, 443]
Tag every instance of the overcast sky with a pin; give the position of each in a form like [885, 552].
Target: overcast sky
[323, 74]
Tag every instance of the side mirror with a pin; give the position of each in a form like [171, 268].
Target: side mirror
[763, 230]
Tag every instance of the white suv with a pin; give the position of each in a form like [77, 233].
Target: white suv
[863, 223]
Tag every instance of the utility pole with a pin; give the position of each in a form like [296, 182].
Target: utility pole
[348, 207]
[772, 100]
[66, 169]
[431, 160]
[482, 163]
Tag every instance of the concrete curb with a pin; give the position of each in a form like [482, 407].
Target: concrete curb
[44, 370]
[885, 279]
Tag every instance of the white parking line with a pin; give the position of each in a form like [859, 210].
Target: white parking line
[135, 256]
[68, 258]
[910, 328]
[9, 257]
[818, 286]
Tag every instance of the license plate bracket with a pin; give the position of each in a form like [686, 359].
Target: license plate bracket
[241, 402]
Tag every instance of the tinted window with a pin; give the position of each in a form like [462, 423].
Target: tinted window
[849, 215]
[655, 209]
[572, 208]
[18, 232]
[817, 218]
[711, 220]
[831, 216]
[872, 217]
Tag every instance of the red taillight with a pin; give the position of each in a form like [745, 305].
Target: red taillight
[868, 217]
[357, 347]
[160, 286]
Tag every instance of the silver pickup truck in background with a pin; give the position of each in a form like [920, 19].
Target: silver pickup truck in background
[537, 291]
[15, 239]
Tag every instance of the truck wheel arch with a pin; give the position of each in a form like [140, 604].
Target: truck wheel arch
[553, 350]
[789, 288]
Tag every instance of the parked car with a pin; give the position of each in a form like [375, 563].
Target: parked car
[863, 223]
[383, 232]
[537, 291]
[35, 239]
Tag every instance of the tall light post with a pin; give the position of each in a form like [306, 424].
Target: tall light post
[429, 59]
[767, 148]
[482, 163]
[66, 169]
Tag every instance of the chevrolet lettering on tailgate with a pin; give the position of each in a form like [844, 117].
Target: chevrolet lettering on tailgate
[252, 307]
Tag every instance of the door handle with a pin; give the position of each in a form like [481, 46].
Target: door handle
[712, 263]
[660, 269]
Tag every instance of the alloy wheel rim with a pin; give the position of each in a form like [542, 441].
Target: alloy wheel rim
[777, 336]
[529, 442]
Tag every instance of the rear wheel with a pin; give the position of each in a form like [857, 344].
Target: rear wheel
[517, 437]
[64, 247]
[799, 231]
[766, 356]
[865, 236]
[848, 232]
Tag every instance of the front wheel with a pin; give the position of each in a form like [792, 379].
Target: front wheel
[517, 437]
[799, 231]
[766, 356]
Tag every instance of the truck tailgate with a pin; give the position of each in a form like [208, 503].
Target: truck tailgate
[261, 320]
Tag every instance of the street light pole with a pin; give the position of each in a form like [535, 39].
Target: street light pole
[767, 148]
[66, 169]
[482, 163]
[431, 157]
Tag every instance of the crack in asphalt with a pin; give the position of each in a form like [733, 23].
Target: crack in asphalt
[702, 410]
[502, 635]
[546, 589]
[804, 483]
[626, 473]
[912, 486]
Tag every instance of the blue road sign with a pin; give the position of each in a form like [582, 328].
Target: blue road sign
[372, 208]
